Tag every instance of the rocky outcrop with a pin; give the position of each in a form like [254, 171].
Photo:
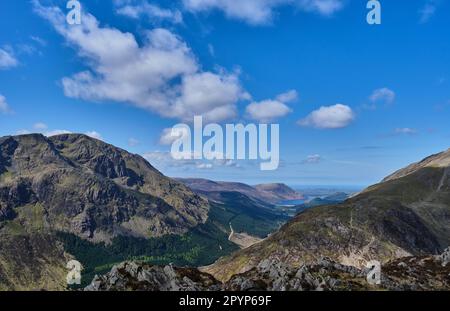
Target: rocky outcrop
[141, 277]
[405, 274]
[444, 258]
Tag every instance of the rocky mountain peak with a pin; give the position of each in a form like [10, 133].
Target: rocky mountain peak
[92, 189]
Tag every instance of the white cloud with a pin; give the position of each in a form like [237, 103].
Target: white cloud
[427, 11]
[4, 107]
[332, 117]
[133, 142]
[23, 132]
[167, 138]
[136, 9]
[323, 7]
[208, 94]
[267, 110]
[383, 95]
[95, 135]
[405, 131]
[312, 159]
[56, 132]
[40, 126]
[164, 160]
[39, 40]
[44, 130]
[7, 59]
[288, 97]
[271, 109]
[260, 12]
[162, 75]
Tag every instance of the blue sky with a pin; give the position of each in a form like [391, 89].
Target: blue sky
[384, 90]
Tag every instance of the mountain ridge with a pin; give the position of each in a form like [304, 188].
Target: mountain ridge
[441, 159]
[94, 184]
[399, 217]
[267, 193]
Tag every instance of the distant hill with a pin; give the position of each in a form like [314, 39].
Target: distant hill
[327, 200]
[268, 193]
[406, 214]
[280, 191]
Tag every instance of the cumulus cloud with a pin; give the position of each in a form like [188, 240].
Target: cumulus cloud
[4, 107]
[95, 135]
[260, 12]
[165, 160]
[138, 8]
[331, 117]
[43, 128]
[56, 132]
[23, 132]
[267, 110]
[167, 137]
[92, 134]
[161, 74]
[271, 109]
[288, 97]
[7, 59]
[383, 95]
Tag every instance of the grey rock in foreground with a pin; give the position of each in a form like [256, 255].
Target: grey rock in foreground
[405, 274]
[130, 276]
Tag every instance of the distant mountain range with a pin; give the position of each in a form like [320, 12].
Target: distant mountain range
[267, 193]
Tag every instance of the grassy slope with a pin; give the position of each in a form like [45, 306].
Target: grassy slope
[395, 218]
[32, 262]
